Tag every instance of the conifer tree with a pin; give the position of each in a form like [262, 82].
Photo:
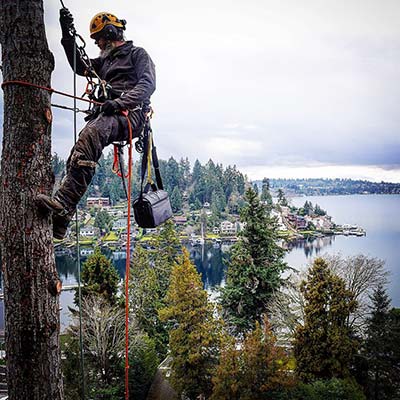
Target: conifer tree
[99, 277]
[150, 277]
[195, 337]
[255, 267]
[176, 200]
[282, 198]
[381, 349]
[265, 192]
[324, 345]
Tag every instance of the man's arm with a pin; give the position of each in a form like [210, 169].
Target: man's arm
[146, 85]
[68, 40]
[68, 44]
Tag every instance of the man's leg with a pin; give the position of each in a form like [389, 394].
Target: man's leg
[81, 164]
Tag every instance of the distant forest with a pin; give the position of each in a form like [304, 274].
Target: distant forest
[316, 187]
[222, 187]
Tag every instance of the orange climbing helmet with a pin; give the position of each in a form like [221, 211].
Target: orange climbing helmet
[103, 20]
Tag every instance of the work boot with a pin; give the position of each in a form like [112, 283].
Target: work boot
[51, 204]
[61, 215]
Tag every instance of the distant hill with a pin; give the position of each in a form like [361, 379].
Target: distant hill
[315, 187]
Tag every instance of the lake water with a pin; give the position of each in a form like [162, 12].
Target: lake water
[377, 214]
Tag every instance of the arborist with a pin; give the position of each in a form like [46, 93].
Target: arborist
[128, 80]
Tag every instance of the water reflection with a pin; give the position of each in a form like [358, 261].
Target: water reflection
[312, 246]
[209, 259]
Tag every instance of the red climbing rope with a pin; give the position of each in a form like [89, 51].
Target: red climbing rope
[48, 89]
[128, 257]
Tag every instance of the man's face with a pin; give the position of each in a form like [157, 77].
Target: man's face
[101, 43]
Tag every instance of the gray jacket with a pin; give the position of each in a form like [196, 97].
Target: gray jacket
[128, 69]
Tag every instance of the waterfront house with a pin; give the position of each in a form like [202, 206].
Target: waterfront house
[228, 228]
[89, 231]
[297, 221]
[180, 219]
[98, 202]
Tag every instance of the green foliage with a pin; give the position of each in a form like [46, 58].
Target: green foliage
[143, 364]
[332, 389]
[195, 336]
[58, 165]
[265, 192]
[255, 267]
[281, 198]
[324, 345]
[176, 200]
[381, 350]
[254, 370]
[99, 277]
[150, 277]
[103, 220]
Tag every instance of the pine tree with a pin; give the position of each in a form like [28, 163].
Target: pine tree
[145, 299]
[324, 345]
[195, 337]
[176, 200]
[150, 277]
[265, 192]
[381, 349]
[99, 277]
[281, 198]
[255, 267]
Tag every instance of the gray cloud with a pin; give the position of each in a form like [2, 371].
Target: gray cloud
[271, 83]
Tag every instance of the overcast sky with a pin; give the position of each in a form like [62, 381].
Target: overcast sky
[282, 88]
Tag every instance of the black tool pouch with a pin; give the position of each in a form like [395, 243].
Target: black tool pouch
[152, 207]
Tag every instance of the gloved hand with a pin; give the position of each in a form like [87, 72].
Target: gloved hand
[110, 107]
[66, 22]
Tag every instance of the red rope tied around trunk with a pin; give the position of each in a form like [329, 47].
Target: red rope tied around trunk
[128, 256]
[48, 89]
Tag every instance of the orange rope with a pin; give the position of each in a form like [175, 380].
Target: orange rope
[128, 256]
[48, 89]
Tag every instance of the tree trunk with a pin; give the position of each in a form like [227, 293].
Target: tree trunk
[30, 278]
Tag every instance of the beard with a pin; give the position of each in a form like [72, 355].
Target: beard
[110, 46]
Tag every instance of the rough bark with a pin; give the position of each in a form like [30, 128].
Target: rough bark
[30, 277]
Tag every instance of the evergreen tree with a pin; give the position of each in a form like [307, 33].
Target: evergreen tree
[255, 188]
[381, 349]
[150, 277]
[195, 337]
[318, 210]
[254, 270]
[145, 299]
[171, 176]
[176, 200]
[99, 277]
[184, 173]
[281, 198]
[265, 192]
[257, 369]
[324, 345]
[58, 165]
[197, 171]
[103, 220]
[167, 250]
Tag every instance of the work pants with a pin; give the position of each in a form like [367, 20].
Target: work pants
[97, 134]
